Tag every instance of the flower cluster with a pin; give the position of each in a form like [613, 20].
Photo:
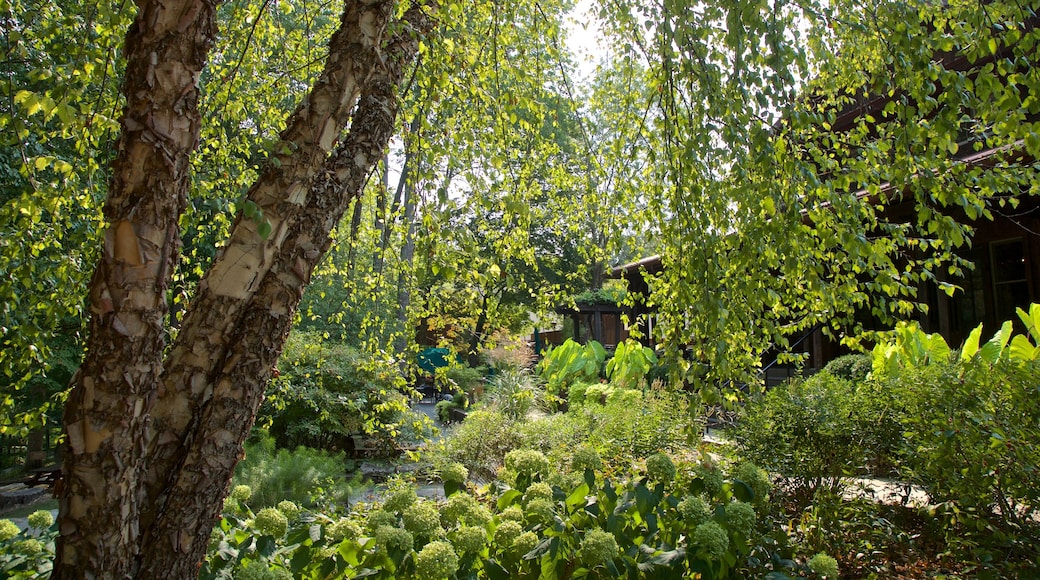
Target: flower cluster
[436, 560]
[30, 547]
[260, 571]
[422, 519]
[524, 543]
[537, 491]
[585, 457]
[470, 539]
[756, 478]
[8, 530]
[694, 510]
[824, 565]
[711, 478]
[659, 468]
[505, 534]
[379, 518]
[241, 492]
[512, 514]
[527, 461]
[390, 537]
[344, 529]
[712, 539]
[289, 509]
[540, 511]
[41, 520]
[455, 473]
[462, 508]
[271, 522]
[597, 547]
[741, 517]
[400, 499]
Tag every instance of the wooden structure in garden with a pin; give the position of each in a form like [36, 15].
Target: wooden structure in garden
[599, 321]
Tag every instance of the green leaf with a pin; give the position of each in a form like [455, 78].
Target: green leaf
[971, 344]
[992, 350]
[509, 498]
[1022, 349]
[263, 229]
[577, 497]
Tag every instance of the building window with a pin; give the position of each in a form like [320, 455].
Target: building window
[1010, 283]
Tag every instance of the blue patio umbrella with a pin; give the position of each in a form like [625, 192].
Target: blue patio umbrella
[433, 358]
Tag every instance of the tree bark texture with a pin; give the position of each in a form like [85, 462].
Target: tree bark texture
[155, 450]
[106, 415]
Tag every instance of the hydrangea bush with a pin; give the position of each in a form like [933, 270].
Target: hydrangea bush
[27, 553]
[637, 524]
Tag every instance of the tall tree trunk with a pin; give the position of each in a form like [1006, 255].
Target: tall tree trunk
[152, 443]
[381, 218]
[405, 275]
[106, 415]
[355, 229]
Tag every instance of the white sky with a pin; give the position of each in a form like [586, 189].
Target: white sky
[584, 38]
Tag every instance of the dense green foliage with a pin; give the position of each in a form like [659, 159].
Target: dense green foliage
[598, 527]
[569, 363]
[971, 426]
[710, 134]
[327, 392]
[816, 432]
[28, 553]
[960, 426]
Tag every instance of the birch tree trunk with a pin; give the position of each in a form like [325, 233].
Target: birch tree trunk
[152, 443]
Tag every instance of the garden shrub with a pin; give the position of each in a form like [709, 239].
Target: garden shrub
[444, 408]
[972, 431]
[463, 378]
[576, 395]
[601, 527]
[325, 392]
[812, 433]
[973, 444]
[479, 443]
[569, 363]
[28, 553]
[851, 367]
[557, 435]
[628, 427]
[515, 392]
[630, 364]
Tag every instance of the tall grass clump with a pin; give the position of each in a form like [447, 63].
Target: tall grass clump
[308, 477]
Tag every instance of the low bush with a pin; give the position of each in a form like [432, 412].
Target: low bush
[630, 364]
[973, 443]
[462, 378]
[444, 408]
[851, 367]
[558, 436]
[570, 363]
[601, 527]
[479, 443]
[326, 392]
[515, 392]
[632, 424]
[816, 431]
[28, 553]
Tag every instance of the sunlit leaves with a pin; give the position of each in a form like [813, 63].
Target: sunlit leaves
[776, 207]
[59, 81]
